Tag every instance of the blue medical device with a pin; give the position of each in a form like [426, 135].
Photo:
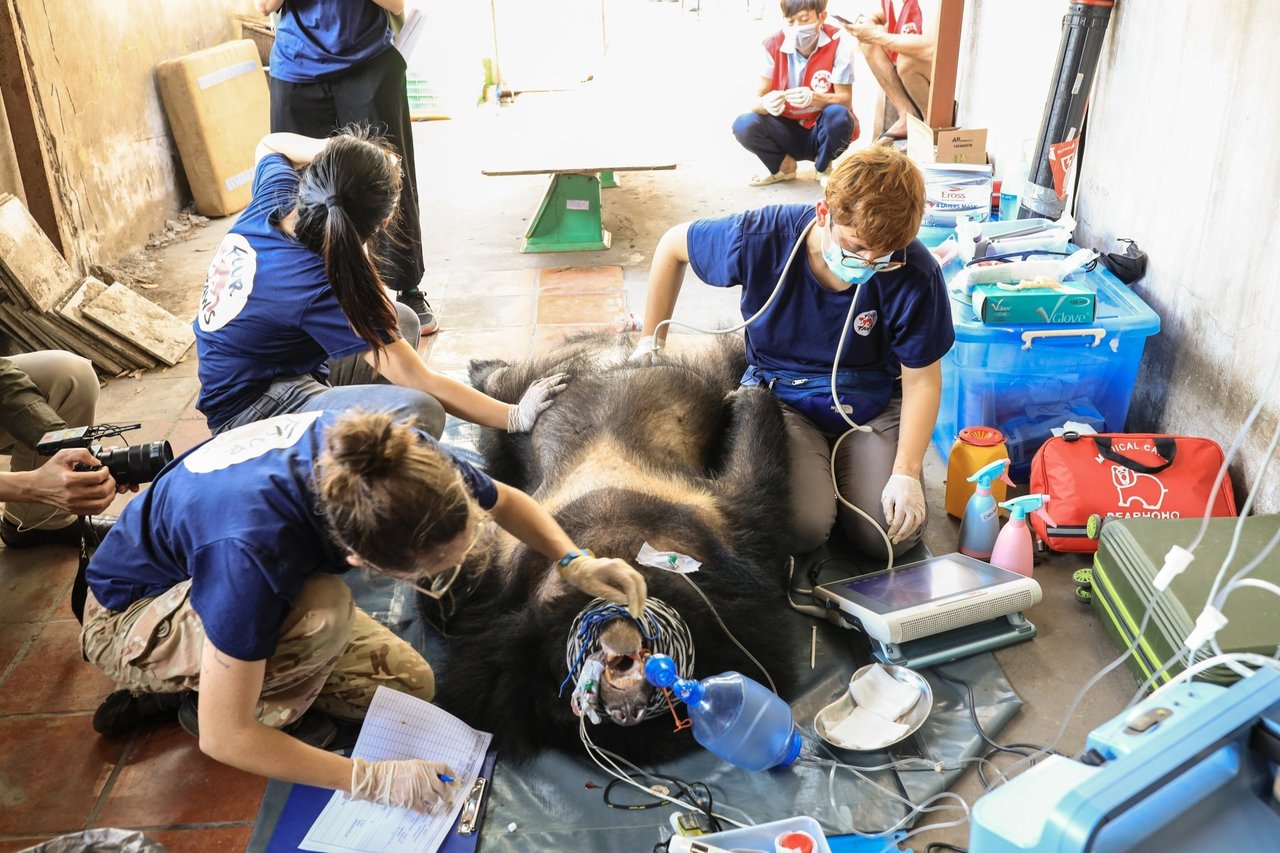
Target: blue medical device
[1192, 769]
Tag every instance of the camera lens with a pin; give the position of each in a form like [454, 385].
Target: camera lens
[136, 464]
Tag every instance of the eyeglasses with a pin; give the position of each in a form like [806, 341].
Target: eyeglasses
[849, 259]
[440, 583]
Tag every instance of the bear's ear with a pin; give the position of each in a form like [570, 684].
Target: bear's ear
[481, 369]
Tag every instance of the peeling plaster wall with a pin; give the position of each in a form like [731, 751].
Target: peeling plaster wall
[114, 160]
[1179, 155]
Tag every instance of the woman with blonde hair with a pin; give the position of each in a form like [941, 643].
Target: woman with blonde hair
[219, 589]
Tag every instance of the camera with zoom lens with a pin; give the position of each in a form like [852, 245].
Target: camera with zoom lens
[131, 465]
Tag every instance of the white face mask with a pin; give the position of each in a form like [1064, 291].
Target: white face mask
[804, 35]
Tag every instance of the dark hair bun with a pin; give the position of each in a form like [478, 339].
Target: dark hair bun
[368, 445]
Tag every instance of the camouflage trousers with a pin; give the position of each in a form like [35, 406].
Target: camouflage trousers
[331, 654]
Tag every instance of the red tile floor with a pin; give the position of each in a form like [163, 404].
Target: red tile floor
[56, 774]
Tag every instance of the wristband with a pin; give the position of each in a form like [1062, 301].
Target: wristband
[563, 562]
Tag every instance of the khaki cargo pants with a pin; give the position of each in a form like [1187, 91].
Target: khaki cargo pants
[331, 654]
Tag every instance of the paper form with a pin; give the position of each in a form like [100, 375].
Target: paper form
[401, 726]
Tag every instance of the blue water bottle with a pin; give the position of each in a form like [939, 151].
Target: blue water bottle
[738, 719]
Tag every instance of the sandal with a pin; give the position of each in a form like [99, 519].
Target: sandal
[775, 178]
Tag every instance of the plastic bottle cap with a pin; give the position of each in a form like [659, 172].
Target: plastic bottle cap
[795, 842]
[981, 436]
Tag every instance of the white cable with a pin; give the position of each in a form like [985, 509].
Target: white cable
[729, 633]
[914, 809]
[617, 773]
[763, 308]
[1244, 512]
[1231, 452]
[1208, 663]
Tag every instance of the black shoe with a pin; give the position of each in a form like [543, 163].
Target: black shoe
[92, 529]
[313, 728]
[418, 303]
[123, 711]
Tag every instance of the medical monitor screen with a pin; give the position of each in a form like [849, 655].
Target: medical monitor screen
[919, 583]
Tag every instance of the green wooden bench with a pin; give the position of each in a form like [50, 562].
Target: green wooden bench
[568, 217]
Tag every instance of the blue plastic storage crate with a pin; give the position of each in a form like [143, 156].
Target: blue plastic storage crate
[1026, 380]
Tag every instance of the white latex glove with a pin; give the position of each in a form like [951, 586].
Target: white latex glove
[411, 784]
[800, 97]
[536, 400]
[647, 350]
[610, 579]
[903, 504]
[774, 102]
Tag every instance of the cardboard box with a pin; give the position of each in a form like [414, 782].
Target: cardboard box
[945, 145]
[1067, 303]
[217, 103]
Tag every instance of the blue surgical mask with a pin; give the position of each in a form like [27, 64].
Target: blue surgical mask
[835, 256]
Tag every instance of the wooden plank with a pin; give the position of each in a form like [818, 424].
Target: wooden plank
[140, 320]
[31, 262]
[44, 334]
[71, 312]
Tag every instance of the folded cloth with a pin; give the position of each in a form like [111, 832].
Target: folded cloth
[863, 729]
[883, 695]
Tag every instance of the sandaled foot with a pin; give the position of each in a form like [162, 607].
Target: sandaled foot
[775, 178]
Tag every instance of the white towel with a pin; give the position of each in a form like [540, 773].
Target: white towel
[883, 695]
[864, 730]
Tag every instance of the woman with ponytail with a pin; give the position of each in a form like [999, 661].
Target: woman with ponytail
[294, 316]
[217, 596]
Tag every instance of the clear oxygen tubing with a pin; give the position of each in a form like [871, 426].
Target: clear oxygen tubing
[1195, 669]
[608, 762]
[1217, 594]
[848, 322]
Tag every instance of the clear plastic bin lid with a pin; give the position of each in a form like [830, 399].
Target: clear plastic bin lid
[1119, 311]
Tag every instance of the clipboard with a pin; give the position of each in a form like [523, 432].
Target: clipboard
[305, 802]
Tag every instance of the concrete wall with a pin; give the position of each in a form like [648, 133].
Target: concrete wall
[1180, 157]
[114, 159]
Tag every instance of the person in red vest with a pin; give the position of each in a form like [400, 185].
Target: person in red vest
[898, 41]
[803, 107]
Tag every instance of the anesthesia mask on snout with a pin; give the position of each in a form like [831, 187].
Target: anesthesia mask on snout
[847, 266]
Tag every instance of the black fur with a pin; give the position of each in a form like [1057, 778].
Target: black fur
[719, 455]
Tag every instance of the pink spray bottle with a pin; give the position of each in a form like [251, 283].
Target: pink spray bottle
[1013, 550]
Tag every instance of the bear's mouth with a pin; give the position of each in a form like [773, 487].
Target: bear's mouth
[624, 691]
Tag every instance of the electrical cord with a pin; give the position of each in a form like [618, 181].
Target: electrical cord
[1018, 749]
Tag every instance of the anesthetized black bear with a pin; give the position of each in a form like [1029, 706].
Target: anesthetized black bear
[671, 454]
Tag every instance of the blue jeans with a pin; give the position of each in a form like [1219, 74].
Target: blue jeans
[773, 138]
[355, 385]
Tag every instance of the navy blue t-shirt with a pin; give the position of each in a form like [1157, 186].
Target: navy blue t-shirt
[316, 39]
[267, 310]
[238, 516]
[902, 317]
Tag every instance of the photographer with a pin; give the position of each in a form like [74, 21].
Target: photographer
[39, 392]
[223, 579]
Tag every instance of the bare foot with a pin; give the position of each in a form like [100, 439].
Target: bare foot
[788, 166]
[897, 130]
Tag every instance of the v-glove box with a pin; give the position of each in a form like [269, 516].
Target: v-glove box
[217, 103]
[1025, 379]
[1130, 553]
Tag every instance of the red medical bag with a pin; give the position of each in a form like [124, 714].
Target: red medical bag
[1123, 475]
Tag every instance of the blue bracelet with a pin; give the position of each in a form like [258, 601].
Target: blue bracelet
[564, 561]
